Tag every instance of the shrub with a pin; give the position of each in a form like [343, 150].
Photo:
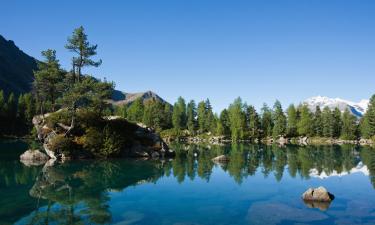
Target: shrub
[63, 145]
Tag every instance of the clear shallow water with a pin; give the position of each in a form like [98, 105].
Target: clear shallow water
[260, 185]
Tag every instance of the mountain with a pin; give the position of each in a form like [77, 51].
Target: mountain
[122, 98]
[357, 109]
[16, 68]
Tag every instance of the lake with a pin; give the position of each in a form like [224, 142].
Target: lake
[259, 185]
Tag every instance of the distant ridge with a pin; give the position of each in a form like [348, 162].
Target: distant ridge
[16, 68]
[122, 98]
[356, 108]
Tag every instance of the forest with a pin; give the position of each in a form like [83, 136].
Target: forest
[55, 88]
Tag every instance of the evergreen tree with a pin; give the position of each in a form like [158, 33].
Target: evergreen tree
[237, 119]
[327, 122]
[336, 123]
[179, 114]
[210, 122]
[368, 120]
[305, 123]
[267, 122]
[48, 83]
[224, 123]
[292, 120]
[349, 126]
[191, 114]
[168, 116]
[153, 115]
[79, 44]
[279, 119]
[253, 122]
[135, 110]
[201, 114]
[318, 122]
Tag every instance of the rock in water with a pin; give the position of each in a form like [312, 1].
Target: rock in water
[319, 194]
[33, 158]
[221, 159]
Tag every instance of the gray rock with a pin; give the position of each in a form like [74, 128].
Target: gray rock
[221, 159]
[319, 194]
[33, 158]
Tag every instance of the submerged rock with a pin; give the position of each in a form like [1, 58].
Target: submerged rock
[319, 194]
[33, 158]
[221, 159]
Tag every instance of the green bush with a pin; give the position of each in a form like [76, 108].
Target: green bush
[63, 145]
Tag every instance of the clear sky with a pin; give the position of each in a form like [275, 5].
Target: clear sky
[259, 50]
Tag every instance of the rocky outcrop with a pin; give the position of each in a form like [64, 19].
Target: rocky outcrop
[33, 158]
[139, 140]
[319, 194]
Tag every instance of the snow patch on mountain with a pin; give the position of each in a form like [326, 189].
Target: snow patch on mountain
[357, 108]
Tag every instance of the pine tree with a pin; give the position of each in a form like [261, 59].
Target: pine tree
[79, 44]
[279, 119]
[368, 121]
[349, 126]
[336, 123]
[237, 119]
[305, 123]
[210, 123]
[179, 114]
[201, 113]
[267, 122]
[191, 114]
[318, 122]
[253, 122]
[292, 120]
[327, 122]
[224, 123]
[135, 110]
[48, 84]
[167, 116]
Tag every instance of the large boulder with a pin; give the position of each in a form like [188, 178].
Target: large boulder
[319, 194]
[33, 158]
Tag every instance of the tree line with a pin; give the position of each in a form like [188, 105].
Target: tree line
[241, 121]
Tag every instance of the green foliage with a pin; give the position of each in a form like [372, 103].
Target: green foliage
[135, 111]
[79, 45]
[179, 114]
[349, 126]
[253, 122]
[368, 121]
[191, 114]
[267, 121]
[318, 122]
[292, 120]
[237, 119]
[305, 124]
[279, 128]
[63, 145]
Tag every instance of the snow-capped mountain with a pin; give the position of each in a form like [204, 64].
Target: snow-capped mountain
[358, 109]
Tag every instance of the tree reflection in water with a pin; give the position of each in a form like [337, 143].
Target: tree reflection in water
[79, 192]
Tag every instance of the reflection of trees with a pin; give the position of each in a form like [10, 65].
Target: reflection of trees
[81, 189]
[246, 160]
[368, 157]
[77, 192]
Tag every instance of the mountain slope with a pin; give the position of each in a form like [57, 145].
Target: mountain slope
[357, 109]
[122, 98]
[16, 68]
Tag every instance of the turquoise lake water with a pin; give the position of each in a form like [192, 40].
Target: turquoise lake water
[259, 185]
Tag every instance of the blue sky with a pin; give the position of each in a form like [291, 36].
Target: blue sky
[259, 50]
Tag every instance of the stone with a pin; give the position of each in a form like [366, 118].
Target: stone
[221, 159]
[33, 158]
[319, 194]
